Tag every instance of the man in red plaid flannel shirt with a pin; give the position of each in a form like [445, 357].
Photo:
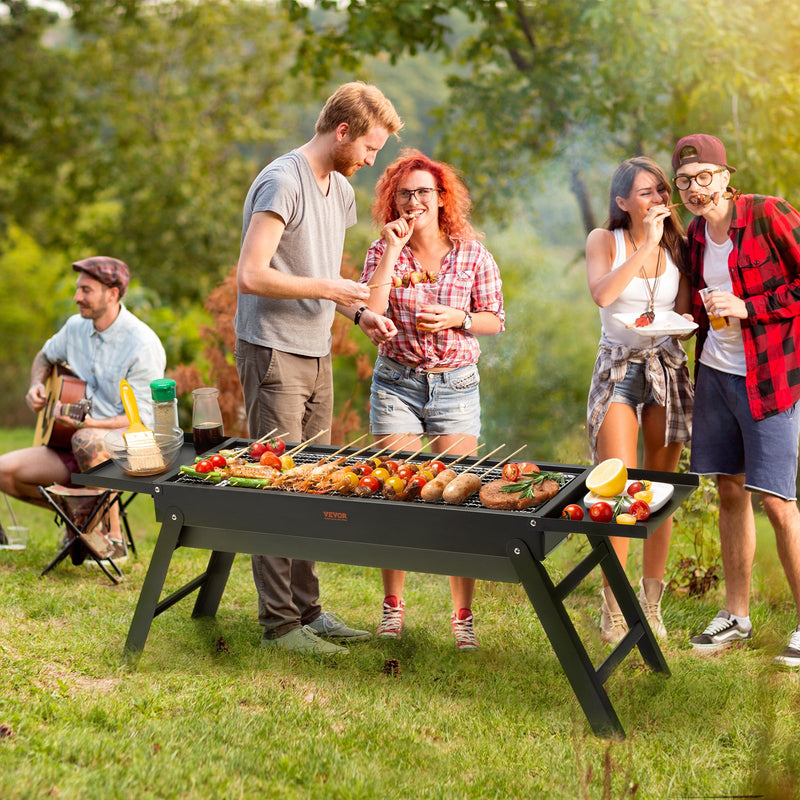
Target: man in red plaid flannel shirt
[745, 278]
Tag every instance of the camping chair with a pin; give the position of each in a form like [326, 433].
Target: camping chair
[81, 511]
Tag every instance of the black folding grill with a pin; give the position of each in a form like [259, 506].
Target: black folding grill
[467, 540]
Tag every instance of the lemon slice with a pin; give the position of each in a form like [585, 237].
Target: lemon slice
[608, 478]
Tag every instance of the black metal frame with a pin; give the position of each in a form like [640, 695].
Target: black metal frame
[450, 540]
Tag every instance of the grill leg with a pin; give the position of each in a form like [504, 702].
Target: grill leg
[152, 586]
[566, 643]
[219, 567]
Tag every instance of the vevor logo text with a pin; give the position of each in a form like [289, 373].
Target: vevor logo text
[340, 516]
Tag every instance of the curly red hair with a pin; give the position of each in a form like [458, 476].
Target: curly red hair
[454, 212]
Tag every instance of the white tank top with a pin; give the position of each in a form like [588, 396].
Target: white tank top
[635, 299]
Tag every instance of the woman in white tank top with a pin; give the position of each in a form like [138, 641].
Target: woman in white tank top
[634, 265]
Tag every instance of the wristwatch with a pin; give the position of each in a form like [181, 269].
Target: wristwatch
[467, 323]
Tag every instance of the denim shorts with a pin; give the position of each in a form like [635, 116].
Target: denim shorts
[633, 389]
[726, 440]
[403, 400]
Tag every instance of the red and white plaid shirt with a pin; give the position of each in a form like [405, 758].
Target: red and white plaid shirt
[469, 280]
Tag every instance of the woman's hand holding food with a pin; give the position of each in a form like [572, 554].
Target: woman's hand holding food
[397, 232]
[436, 317]
[654, 223]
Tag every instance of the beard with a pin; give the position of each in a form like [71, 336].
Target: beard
[344, 159]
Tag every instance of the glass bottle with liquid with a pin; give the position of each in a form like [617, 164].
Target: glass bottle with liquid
[165, 405]
[207, 429]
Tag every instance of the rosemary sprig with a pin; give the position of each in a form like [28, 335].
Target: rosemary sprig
[531, 479]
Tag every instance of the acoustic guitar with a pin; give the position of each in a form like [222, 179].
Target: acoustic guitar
[65, 398]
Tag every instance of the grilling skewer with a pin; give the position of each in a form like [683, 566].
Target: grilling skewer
[500, 463]
[466, 484]
[306, 443]
[237, 453]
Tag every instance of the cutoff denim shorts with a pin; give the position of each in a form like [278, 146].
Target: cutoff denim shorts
[726, 440]
[403, 400]
[632, 389]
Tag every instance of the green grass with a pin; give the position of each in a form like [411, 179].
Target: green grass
[209, 714]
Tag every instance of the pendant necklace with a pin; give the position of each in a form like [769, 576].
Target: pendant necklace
[647, 317]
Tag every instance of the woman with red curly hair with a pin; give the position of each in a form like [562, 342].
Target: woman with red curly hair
[442, 289]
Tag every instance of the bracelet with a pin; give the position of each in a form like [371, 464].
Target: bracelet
[358, 314]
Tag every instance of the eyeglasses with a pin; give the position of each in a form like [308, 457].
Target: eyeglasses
[423, 194]
[703, 178]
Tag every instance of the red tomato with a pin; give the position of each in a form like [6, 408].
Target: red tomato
[277, 446]
[436, 467]
[392, 466]
[572, 512]
[269, 459]
[527, 468]
[511, 471]
[217, 460]
[417, 480]
[204, 466]
[405, 472]
[364, 468]
[640, 510]
[601, 512]
[371, 483]
[256, 449]
[636, 486]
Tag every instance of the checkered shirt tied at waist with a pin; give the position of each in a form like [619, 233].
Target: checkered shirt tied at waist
[666, 375]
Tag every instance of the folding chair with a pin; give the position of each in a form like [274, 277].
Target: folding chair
[81, 511]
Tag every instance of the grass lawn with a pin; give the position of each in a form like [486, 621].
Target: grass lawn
[208, 714]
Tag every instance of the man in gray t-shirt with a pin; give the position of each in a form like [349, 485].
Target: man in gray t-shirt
[295, 217]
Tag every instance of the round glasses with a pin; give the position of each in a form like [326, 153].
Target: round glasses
[702, 178]
[423, 194]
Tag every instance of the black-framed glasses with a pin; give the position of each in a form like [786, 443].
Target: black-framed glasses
[423, 194]
[702, 178]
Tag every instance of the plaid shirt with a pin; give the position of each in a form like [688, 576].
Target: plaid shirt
[468, 280]
[765, 271]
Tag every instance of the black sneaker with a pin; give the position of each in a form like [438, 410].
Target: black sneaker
[721, 632]
[790, 657]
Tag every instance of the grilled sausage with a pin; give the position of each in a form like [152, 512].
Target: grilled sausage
[432, 490]
[460, 488]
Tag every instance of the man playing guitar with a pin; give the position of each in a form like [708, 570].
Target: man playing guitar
[102, 344]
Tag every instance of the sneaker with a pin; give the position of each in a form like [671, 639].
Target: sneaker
[330, 626]
[721, 632]
[304, 640]
[462, 630]
[790, 657]
[650, 601]
[392, 622]
[612, 623]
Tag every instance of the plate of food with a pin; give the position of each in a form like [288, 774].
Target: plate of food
[661, 493]
[664, 323]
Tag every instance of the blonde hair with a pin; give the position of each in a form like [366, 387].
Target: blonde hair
[362, 106]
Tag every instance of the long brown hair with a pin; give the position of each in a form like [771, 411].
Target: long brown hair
[454, 212]
[622, 181]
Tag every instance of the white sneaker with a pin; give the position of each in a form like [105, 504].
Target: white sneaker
[790, 657]
[721, 632]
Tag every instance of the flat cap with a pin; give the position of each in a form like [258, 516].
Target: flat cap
[109, 271]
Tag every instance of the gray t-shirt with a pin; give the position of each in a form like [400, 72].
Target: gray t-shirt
[311, 246]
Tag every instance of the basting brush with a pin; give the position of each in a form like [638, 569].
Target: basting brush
[144, 453]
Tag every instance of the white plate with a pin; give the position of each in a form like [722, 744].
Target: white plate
[661, 493]
[666, 323]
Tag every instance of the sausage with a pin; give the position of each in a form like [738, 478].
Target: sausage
[460, 488]
[432, 490]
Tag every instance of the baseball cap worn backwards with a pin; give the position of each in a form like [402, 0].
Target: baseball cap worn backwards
[109, 271]
[700, 148]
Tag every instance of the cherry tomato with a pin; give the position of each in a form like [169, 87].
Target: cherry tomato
[601, 512]
[204, 466]
[392, 466]
[527, 468]
[572, 512]
[427, 474]
[646, 496]
[634, 487]
[417, 480]
[287, 462]
[405, 472]
[395, 484]
[371, 483]
[277, 446]
[640, 510]
[364, 468]
[269, 459]
[381, 473]
[256, 449]
[626, 519]
[436, 467]
[218, 461]
[349, 478]
[511, 471]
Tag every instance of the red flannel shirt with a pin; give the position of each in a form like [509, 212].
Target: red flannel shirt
[765, 271]
[469, 279]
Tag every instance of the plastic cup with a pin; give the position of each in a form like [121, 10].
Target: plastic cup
[425, 294]
[717, 322]
[17, 536]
